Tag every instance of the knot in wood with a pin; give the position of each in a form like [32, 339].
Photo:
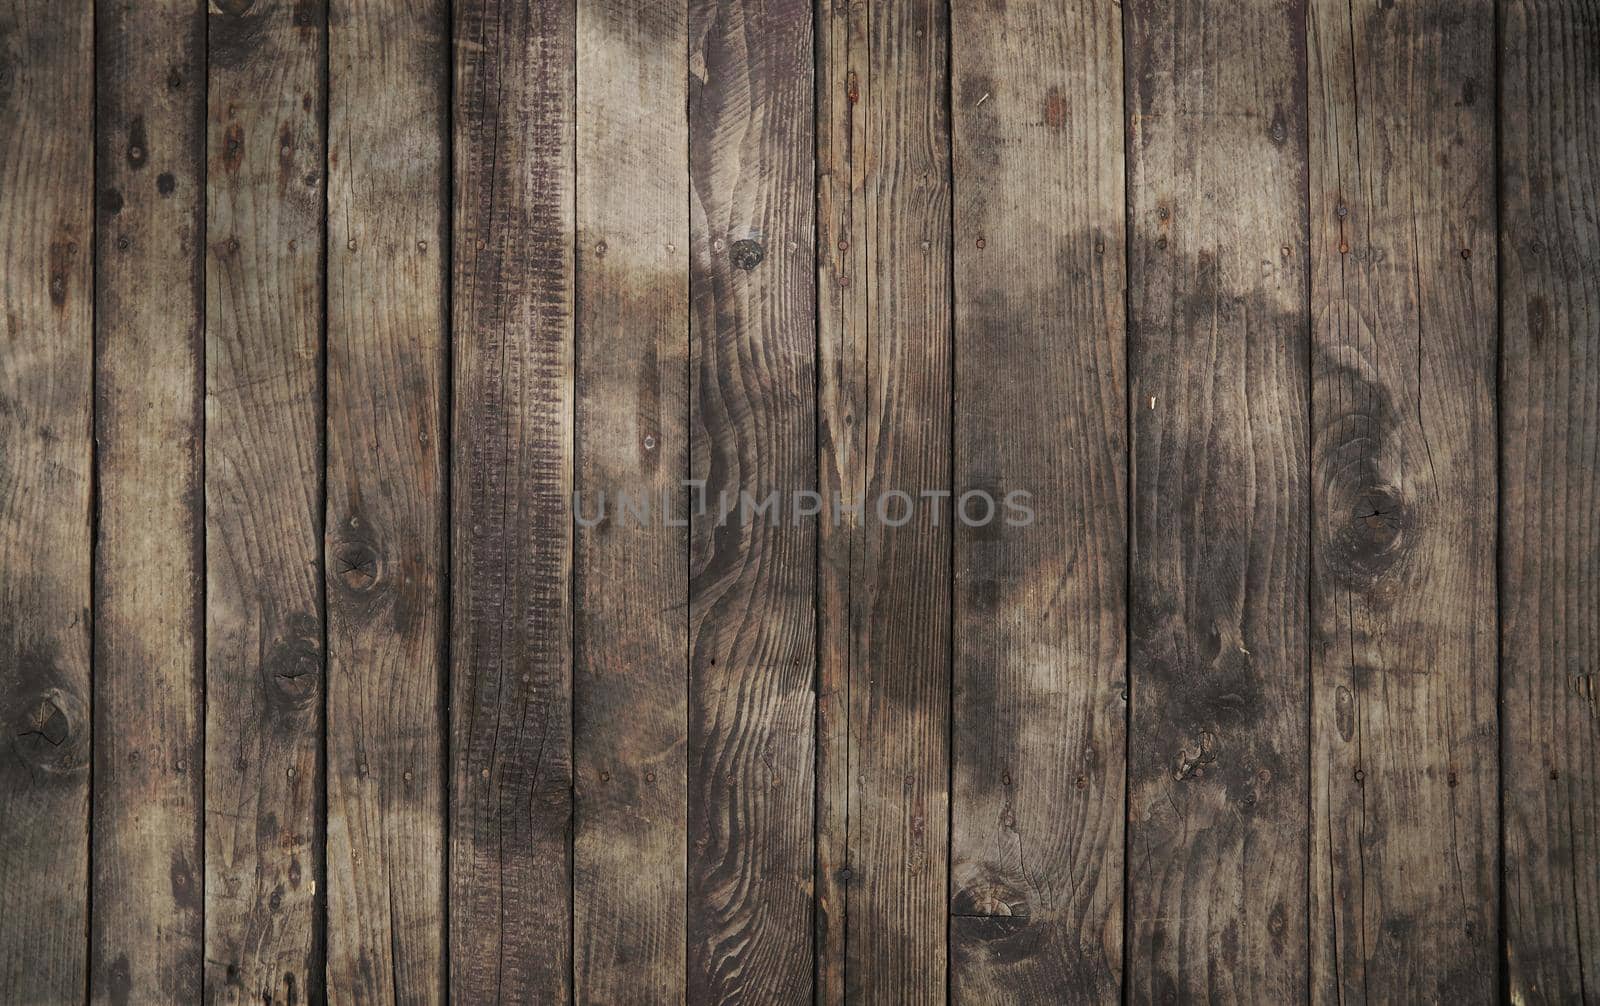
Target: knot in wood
[746, 254]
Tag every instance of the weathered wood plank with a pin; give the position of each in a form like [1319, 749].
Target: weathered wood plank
[884, 388]
[263, 450]
[1404, 768]
[46, 462]
[147, 939]
[1550, 527]
[630, 672]
[1218, 805]
[752, 414]
[1041, 408]
[511, 650]
[384, 546]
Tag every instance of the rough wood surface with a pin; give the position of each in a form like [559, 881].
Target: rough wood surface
[147, 937]
[630, 671]
[263, 437]
[384, 547]
[1404, 769]
[752, 423]
[511, 636]
[884, 388]
[1550, 508]
[46, 472]
[1040, 408]
[1218, 805]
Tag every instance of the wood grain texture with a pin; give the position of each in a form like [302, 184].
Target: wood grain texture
[264, 427]
[630, 672]
[884, 389]
[148, 934]
[46, 471]
[1040, 408]
[752, 423]
[1219, 368]
[1550, 507]
[384, 544]
[511, 651]
[1404, 769]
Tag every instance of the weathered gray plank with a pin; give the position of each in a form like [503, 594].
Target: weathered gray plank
[630, 672]
[1218, 805]
[1550, 508]
[263, 449]
[384, 539]
[752, 414]
[147, 938]
[1404, 769]
[46, 462]
[511, 648]
[884, 388]
[1040, 408]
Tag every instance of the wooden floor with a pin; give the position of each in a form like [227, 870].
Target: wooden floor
[316, 685]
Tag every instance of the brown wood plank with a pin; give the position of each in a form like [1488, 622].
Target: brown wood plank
[1550, 527]
[1040, 408]
[1404, 768]
[630, 672]
[752, 414]
[384, 542]
[46, 468]
[884, 388]
[1218, 805]
[148, 934]
[511, 649]
[264, 426]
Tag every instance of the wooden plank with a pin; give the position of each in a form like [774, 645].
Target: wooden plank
[1040, 608]
[263, 449]
[751, 585]
[884, 390]
[511, 651]
[384, 541]
[1218, 805]
[148, 933]
[1404, 767]
[46, 462]
[630, 672]
[1550, 525]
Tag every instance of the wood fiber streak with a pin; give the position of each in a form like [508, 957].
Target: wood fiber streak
[752, 421]
[384, 541]
[630, 672]
[1404, 769]
[511, 650]
[884, 301]
[263, 451]
[1041, 409]
[46, 472]
[1550, 510]
[1219, 366]
[147, 938]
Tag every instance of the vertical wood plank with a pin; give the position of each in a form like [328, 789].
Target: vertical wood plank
[1550, 526]
[264, 428]
[1040, 408]
[752, 413]
[383, 546]
[511, 653]
[884, 389]
[1218, 807]
[1404, 769]
[630, 673]
[843, 82]
[147, 938]
[46, 462]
